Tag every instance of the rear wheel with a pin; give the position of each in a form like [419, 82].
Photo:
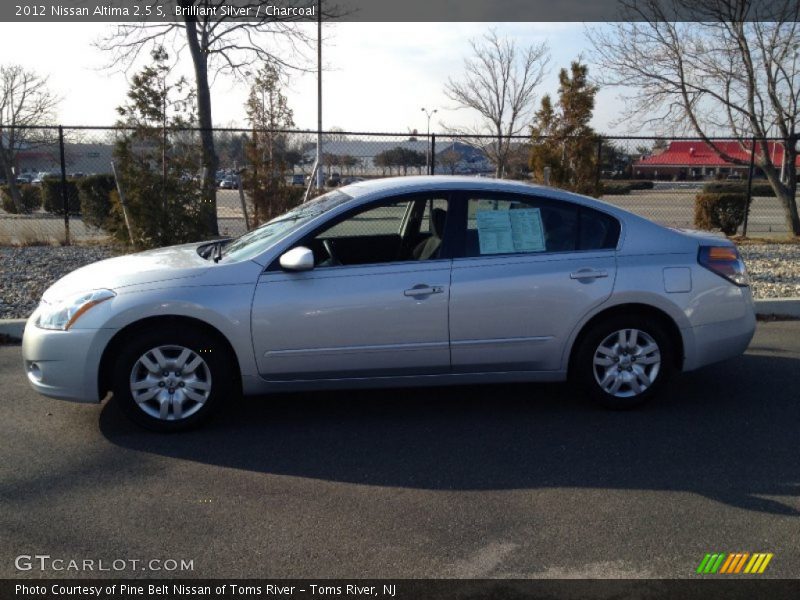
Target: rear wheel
[172, 379]
[624, 361]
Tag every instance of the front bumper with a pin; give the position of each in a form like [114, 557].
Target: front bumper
[64, 364]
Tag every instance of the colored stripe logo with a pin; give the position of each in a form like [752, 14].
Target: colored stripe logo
[734, 563]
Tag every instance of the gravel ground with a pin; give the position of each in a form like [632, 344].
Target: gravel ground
[26, 272]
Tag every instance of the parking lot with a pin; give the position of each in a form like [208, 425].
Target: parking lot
[494, 481]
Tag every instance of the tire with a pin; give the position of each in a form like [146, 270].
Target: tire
[619, 375]
[194, 375]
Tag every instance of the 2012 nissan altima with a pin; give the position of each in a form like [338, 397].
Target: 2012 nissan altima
[396, 282]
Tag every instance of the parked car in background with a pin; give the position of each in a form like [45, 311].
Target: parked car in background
[396, 282]
[229, 183]
[42, 175]
[24, 178]
[349, 180]
[298, 179]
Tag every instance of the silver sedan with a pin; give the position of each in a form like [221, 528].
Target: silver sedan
[396, 282]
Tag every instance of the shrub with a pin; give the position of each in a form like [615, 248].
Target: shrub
[720, 211]
[53, 201]
[94, 194]
[31, 199]
[161, 213]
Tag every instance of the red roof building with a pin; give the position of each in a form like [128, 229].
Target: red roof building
[697, 160]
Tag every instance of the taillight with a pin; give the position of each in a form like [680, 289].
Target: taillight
[725, 262]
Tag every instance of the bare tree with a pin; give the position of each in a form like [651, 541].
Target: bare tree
[217, 43]
[499, 82]
[726, 73]
[25, 103]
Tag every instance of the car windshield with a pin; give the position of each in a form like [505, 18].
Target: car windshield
[253, 243]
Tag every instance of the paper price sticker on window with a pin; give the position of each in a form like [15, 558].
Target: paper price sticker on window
[510, 231]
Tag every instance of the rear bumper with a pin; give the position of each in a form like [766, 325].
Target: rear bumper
[64, 364]
[714, 342]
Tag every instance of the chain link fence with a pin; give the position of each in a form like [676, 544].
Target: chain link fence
[71, 181]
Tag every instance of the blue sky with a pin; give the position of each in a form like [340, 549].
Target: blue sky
[378, 75]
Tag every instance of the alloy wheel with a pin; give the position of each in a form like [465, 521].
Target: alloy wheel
[170, 383]
[626, 363]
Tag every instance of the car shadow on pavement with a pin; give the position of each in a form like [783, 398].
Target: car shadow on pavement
[728, 432]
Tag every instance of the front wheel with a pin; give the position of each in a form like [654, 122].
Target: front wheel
[623, 362]
[172, 378]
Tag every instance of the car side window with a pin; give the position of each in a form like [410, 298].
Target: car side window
[512, 224]
[597, 231]
[407, 230]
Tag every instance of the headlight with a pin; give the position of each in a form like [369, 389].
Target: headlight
[62, 314]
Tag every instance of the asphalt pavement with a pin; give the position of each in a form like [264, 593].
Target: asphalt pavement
[481, 481]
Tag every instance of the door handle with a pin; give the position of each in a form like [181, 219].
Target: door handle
[423, 290]
[588, 274]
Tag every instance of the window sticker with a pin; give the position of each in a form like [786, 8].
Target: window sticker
[494, 232]
[509, 231]
[527, 230]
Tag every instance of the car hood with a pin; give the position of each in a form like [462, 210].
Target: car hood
[152, 266]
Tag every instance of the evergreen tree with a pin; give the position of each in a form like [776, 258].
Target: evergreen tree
[268, 155]
[561, 135]
[156, 159]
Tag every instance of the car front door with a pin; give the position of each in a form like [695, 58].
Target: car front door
[525, 271]
[373, 305]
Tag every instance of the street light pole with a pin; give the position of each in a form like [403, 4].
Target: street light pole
[319, 95]
[429, 114]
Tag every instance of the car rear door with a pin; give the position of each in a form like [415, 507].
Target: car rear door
[527, 269]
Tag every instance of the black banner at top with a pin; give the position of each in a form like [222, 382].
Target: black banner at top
[154, 11]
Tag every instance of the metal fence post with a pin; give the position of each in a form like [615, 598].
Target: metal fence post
[599, 162]
[64, 194]
[242, 199]
[749, 187]
[432, 166]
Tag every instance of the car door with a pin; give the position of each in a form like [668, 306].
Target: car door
[367, 309]
[525, 271]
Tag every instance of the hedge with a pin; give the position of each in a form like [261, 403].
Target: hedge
[720, 211]
[52, 200]
[623, 187]
[760, 188]
[31, 199]
[94, 194]
[615, 188]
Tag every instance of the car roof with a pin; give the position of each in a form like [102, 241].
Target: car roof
[366, 190]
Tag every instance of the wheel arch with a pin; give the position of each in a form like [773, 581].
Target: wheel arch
[627, 309]
[104, 372]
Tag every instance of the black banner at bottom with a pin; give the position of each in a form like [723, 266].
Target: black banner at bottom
[398, 589]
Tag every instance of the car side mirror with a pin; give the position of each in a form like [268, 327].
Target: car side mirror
[297, 259]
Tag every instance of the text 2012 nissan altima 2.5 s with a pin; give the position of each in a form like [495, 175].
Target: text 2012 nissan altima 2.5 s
[396, 282]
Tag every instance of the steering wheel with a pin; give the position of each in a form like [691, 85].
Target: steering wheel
[332, 258]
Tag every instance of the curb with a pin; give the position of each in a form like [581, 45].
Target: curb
[768, 307]
[778, 307]
[12, 328]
